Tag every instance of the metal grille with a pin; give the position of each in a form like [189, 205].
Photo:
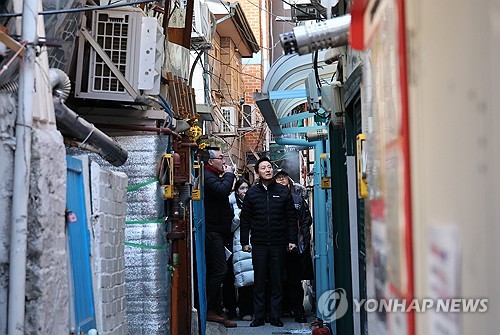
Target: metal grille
[112, 34]
[226, 126]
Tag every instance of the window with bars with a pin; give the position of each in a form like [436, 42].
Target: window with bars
[229, 120]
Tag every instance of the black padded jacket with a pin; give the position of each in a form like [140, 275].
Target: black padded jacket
[218, 212]
[268, 215]
[305, 219]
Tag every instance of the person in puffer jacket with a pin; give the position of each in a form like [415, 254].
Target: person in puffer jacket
[242, 261]
[269, 214]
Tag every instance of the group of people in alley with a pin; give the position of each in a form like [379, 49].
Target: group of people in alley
[257, 245]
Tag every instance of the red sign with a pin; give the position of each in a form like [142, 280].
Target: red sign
[365, 16]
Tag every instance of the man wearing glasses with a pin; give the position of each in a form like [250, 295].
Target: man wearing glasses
[219, 180]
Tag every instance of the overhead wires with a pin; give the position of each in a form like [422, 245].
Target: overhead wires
[82, 9]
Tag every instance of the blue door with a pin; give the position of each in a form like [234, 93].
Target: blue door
[79, 247]
[199, 238]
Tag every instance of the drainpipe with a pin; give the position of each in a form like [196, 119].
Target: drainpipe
[22, 167]
[320, 222]
[74, 124]
[86, 132]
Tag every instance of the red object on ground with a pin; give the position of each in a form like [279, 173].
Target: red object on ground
[320, 329]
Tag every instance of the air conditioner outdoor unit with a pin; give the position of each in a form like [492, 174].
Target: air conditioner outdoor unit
[120, 58]
[201, 36]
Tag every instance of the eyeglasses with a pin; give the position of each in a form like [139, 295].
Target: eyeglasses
[217, 158]
[281, 177]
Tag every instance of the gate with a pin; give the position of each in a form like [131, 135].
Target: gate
[79, 248]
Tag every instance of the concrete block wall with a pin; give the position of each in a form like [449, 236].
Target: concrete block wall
[46, 269]
[109, 207]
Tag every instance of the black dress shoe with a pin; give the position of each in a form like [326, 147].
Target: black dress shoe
[276, 322]
[257, 323]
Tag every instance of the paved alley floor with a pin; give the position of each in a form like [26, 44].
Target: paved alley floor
[290, 327]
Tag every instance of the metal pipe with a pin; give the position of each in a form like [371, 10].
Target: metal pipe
[323, 282]
[198, 57]
[191, 145]
[314, 36]
[60, 82]
[320, 222]
[22, 167]
[86, 132]
[167, 107]
[174, 325]
[139, 128]
[61, 85]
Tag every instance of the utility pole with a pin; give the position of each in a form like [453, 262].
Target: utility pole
[22, 167]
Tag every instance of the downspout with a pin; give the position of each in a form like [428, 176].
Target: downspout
[72, 123]
[22, 167]
[78, 127]
[86, 132]
[320, 222]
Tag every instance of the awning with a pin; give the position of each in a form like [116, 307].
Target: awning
[284, 87]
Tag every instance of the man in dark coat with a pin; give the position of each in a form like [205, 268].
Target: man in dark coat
[269, 214]
[299, 262]
[218, 218]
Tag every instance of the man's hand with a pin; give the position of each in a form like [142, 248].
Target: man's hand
[228, 168]
[246, 248]
[292, 246]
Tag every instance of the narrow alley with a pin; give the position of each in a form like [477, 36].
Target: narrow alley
[206, 167]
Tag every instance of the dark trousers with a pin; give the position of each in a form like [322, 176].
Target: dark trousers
[294, 293]
[216, 269]
[268, 263]
[229, 290]
[245, 300]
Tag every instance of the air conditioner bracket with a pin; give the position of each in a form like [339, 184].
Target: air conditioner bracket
[133, 93]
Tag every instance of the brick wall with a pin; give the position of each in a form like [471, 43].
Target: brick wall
[253, 77]
[109, 207]
[253, 82]
[253, 15]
